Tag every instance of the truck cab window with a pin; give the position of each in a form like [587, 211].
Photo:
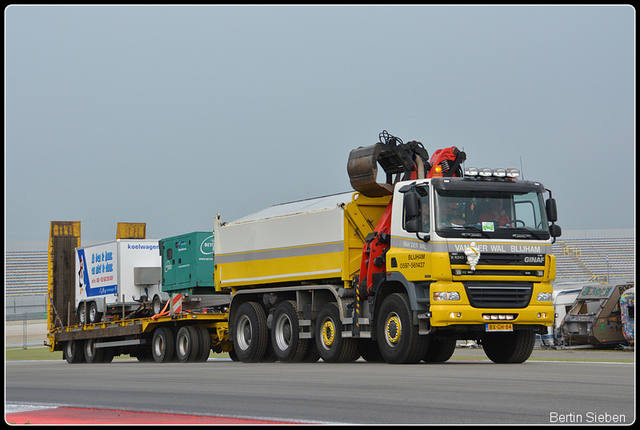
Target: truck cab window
[421, 221]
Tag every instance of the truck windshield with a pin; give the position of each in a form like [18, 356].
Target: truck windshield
[499, 214]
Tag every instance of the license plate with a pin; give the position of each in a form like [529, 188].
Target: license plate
[499, 327]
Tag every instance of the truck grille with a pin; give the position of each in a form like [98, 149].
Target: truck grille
[499, 295]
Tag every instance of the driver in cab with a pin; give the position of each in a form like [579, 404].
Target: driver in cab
[448, 215]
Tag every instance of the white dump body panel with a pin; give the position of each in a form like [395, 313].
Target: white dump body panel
[290, 241]
[107, 270]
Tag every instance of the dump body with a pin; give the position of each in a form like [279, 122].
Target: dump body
[187, 263]
[306, 241]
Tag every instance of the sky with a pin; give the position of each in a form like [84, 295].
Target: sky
[168, 115]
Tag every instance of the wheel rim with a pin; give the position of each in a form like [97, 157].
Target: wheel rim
[92, 313]
[393, 329]
[283, 332]
[157, 306]
[89, 349]
[183, 345]
[243, 333]
[158, 346]
[328, 334]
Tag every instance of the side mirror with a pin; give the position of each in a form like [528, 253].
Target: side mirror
[555, 230]
[411, 206]
[552, 210]
[413, 225]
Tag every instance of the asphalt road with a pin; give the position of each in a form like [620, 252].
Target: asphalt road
[463, 390]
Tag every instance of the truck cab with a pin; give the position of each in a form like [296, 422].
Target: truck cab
[474, 254]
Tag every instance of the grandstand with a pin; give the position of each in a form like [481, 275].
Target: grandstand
[601, 256]
[26, 273]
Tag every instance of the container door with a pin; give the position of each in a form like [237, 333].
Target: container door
[168, 267]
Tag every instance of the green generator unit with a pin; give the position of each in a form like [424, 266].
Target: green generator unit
[187, 263]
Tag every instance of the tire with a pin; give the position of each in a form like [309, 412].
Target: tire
[91, 353]
[145, 355]
[94, 315]
[157, 305]
[370, 351]
[312, 355]
[233, 356]
[439, 350]
[205, 344]
[107, 355]
[398, 338]
[332, 347]
[512, 347]
[74, 351]
[187, 344]
[285, 334]
[81, 314]
[162, 345]
[251, 335]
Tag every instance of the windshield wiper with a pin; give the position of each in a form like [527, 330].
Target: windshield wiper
[477, 232]
[528, 234]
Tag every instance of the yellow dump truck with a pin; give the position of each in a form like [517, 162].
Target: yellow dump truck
[395, 271]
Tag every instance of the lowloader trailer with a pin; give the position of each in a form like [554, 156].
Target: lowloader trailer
[395, 271]
[186, 329]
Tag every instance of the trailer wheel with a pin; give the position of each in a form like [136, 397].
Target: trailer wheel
[332, 347]
[91, 353]
[512, 347]
[251, 335]
[187, 344]
[94, 315]
[398, 338]
[107, 356]
[74, 351]
[205, 344]
[285, 335]
[162, 345]
[439, 350]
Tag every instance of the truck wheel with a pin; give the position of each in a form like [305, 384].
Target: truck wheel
[91, 353]
[285, 336]
[251, 335]
[162, 345]
[439, 350]
[512, 347]
[94, 315]
[332, 347]
[74, 351]
[398, 338]
[81, 313]
[187, 344]
[205, 344]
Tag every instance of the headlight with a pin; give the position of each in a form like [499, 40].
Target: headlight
[449, 296]
[545, 297]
